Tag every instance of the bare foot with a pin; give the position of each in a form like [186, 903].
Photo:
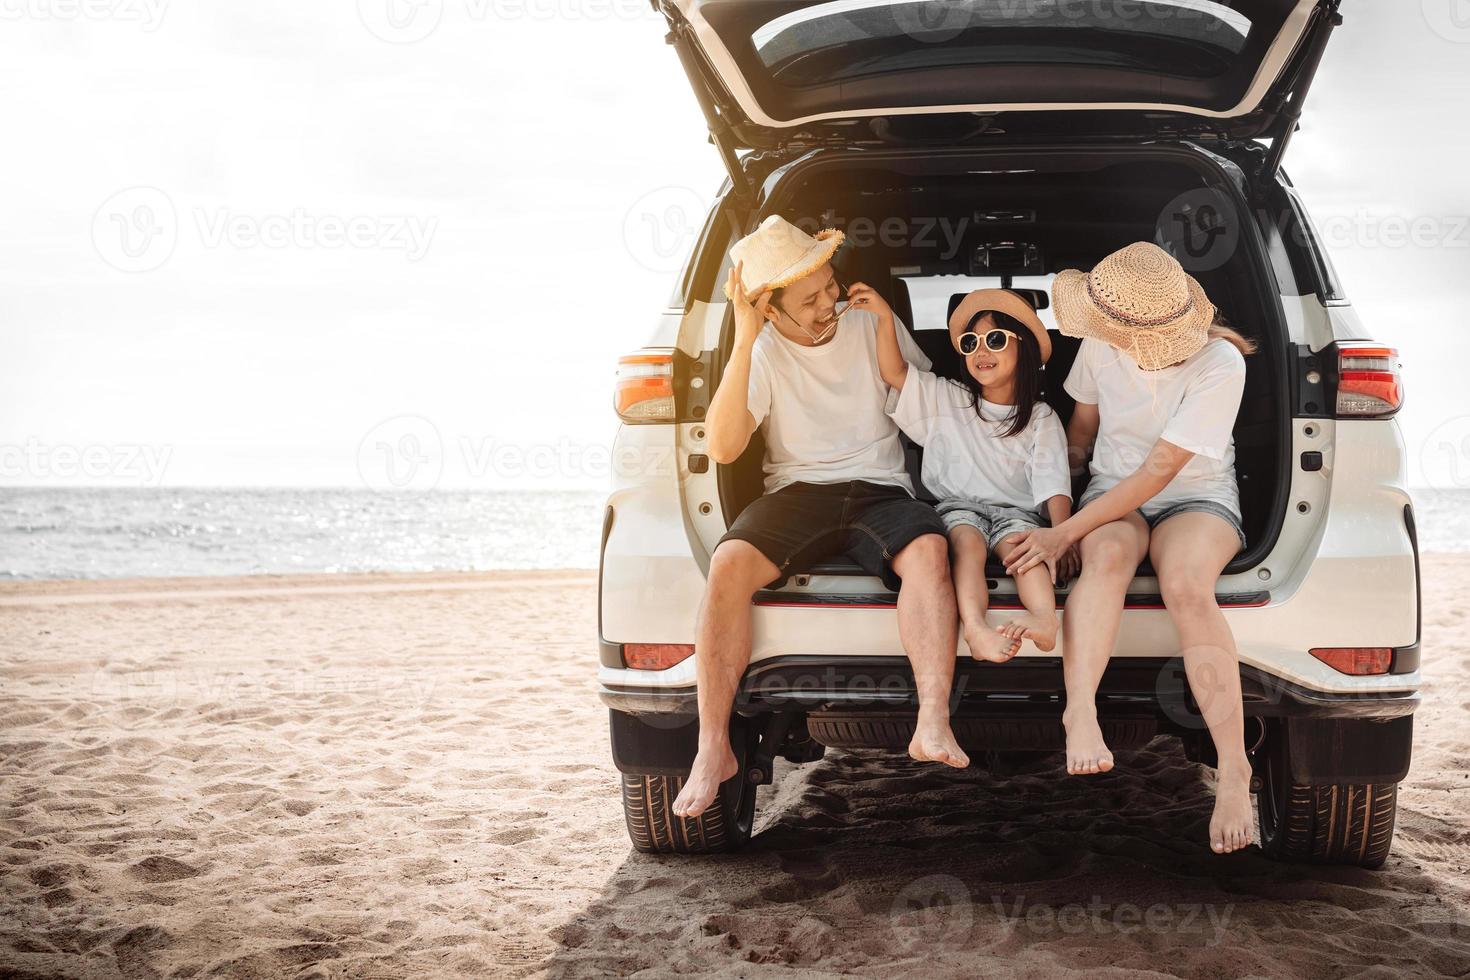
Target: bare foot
[1041, 630]
[934, 741]
[1231, 825]
[1087, 753]
[990, 644]
[711, 768]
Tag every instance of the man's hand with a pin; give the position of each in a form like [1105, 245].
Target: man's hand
[749, 320]
[865, 297]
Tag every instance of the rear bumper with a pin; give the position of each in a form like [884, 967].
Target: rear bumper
[1023, 689]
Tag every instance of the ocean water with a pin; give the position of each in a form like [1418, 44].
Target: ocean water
[50, 533]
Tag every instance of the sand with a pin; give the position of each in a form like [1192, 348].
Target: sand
[373, 776]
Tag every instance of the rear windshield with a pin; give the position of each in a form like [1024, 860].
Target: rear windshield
[932, 297]
[846, 40]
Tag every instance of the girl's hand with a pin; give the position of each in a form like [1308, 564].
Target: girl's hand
[865, 297]
[749, 321]
[1069, 565]
[1044, 545]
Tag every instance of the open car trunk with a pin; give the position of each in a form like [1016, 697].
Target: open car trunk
[926, 227]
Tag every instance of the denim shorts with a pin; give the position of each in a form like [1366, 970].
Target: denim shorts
[803, 523]
[1180, 507]
[995, 522]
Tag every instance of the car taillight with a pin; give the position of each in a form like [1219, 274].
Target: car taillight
[1368, 383]
[1355, 660]
[656, 656]
[645, 387]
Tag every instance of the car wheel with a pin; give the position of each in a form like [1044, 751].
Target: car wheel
[1341, 823]
[654, 829]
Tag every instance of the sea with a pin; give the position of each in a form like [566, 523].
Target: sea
[69, 533]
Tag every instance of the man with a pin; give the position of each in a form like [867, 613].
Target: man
[835, 482]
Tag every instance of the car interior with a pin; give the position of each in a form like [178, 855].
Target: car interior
[1016, 230]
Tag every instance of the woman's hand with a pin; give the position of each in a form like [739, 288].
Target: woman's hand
[865, 297]
[1044, 545]
[749, 321]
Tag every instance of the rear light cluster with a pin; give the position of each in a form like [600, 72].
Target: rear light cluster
[645, 386]
[1358, 661]
[656, 656]
[1368, 383]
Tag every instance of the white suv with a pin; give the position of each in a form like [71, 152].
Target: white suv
[996, 147]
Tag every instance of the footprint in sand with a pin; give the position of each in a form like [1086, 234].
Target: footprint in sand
[160, 868]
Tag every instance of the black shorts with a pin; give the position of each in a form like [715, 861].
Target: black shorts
[803, 523]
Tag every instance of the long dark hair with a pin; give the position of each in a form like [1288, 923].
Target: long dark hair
[1029, 382]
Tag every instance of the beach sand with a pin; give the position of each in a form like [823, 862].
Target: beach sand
[408, 775]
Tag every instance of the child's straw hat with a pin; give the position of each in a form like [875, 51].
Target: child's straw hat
[1001, 301]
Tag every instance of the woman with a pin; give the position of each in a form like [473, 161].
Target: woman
[1157, 381]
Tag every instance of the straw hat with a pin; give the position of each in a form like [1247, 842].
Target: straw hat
[778, 253]
[1001, 301]
[1139, 300]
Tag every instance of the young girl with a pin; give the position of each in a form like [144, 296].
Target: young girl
[994, 453]
[1158, 382]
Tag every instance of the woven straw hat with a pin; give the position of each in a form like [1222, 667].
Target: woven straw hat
[1139, 300]
[778, 253]
[1001, 301]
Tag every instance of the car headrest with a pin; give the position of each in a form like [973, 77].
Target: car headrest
[1038, 299]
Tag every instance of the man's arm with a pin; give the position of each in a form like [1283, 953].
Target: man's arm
[730, 423]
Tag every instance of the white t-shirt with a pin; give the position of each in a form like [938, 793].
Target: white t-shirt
[822, 407]
[1192, 404]
[967, 459]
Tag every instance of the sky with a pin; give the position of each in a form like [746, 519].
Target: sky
[275, 243]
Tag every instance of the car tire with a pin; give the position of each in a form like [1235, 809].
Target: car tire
[1342, 823]
[654, 829]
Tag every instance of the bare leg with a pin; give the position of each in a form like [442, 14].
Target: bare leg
[927, 627]
[973, 597]
[721, 653]
[1110, 556]
[1039, 622]
[1189, 551]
